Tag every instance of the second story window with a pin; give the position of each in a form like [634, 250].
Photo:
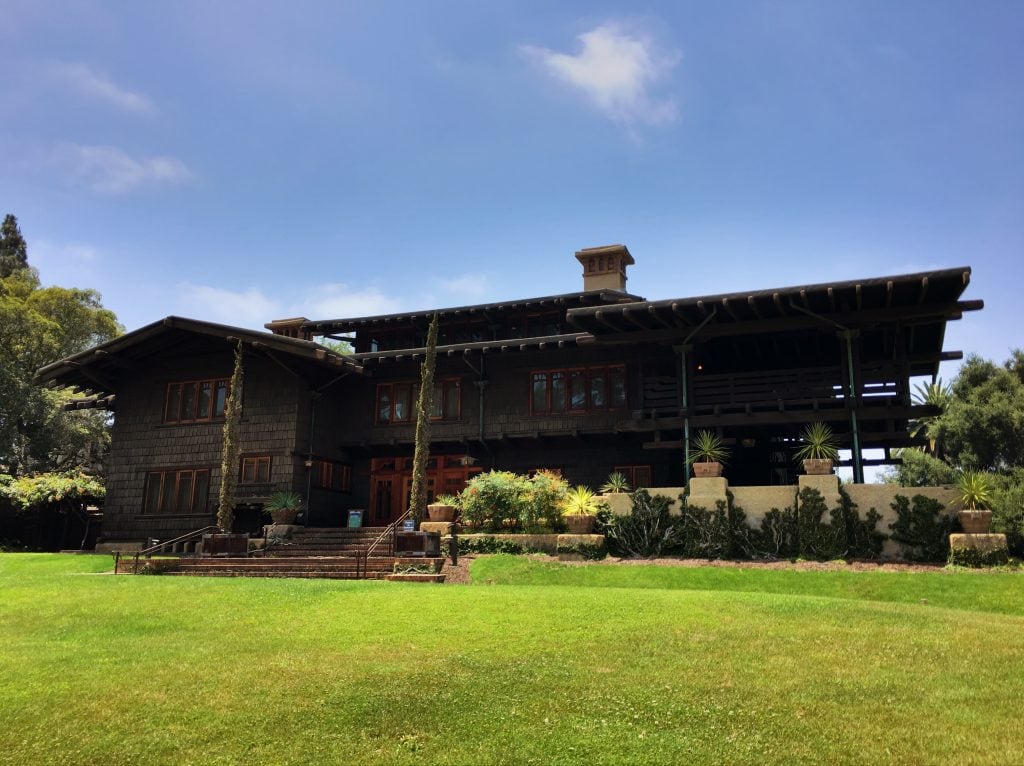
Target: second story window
[195, 401]
[255, 470]
[585, 389]
[396, 402]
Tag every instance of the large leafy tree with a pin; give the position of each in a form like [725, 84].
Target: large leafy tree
[39, 325]
[983, 425]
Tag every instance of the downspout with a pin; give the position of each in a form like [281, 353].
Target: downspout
[684, 379]
[848, 335]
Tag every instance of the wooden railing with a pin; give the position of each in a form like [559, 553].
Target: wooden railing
[162, 545]
[390, 534]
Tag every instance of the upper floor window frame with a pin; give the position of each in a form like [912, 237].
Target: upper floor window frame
[195, 401]
[395, 402]
[577, 390]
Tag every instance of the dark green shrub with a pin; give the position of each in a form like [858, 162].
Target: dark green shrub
[489, 545]
[972, 557]
[807, 534]
[777, 538]
[646, 532]
[1008, 517]
[589, 552]
[721, 533]
[922, 526]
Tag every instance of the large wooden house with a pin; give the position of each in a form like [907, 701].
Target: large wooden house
[584, 383]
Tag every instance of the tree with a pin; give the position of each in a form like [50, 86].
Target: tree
[424, 404]
[983, 426]
[13, 249]
[937, 395]
[38, 326]
[229, 456]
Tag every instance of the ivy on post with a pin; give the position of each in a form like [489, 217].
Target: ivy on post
[424, 404]
[229, 455]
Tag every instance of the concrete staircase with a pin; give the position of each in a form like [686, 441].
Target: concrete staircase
[308, 542]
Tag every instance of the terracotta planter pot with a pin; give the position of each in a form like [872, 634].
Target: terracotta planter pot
[818, 466]
[441, 512]
[580, 524]
[285, 516]
[707, 470]
[976, 522]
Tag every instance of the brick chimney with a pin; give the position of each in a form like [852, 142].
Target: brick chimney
[604, 268]
[290, 328]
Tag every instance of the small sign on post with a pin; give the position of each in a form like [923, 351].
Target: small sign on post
[409, 525]
[355, 518]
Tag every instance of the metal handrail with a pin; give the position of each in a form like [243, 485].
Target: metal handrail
[362, 560]
[163, 544]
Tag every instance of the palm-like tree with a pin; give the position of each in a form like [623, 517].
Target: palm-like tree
[936, 394]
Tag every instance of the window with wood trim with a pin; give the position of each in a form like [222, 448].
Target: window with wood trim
[179, 491]
[396, 402]
[196, 401]
[333, 476]
[638, 476]
[584, 389]
[255, 469]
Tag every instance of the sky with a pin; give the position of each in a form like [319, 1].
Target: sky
[246, 161]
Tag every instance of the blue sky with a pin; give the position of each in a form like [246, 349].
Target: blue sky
[248, 161]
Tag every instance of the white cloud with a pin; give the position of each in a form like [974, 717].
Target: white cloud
[110, 170]
[337, 300]
[253, 308]
[616, 70]
[91, 84]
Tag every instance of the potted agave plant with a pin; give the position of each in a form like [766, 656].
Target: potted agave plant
[819, 451]
[707, 454]
[445, 508]
[615, 485]
[284, 507]
[580, 509]
[975, 496]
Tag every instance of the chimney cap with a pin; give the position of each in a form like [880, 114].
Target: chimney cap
[621, 250]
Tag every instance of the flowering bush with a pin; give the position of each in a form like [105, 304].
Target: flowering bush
[503, 501]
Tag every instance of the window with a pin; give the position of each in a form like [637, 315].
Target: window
[177, 491]
[255, 470]
[396, 402]
[332, 476]
[579, 390]
[195, 401]
[638, 476]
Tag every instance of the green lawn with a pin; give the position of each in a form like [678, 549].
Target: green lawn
[689, 666]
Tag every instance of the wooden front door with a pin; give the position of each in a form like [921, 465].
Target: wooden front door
[391, 483]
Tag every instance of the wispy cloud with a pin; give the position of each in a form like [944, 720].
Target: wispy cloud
[110, 170]
[87, 82]
[617, 71]
[245, 308]
[252, 307]
[466, 288]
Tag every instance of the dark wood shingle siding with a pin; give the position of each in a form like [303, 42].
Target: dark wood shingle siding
[141, 442]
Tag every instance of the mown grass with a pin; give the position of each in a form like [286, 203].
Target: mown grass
[103, 669]
[972, 590]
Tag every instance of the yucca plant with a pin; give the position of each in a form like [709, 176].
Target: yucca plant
[975, 488]
[820, 443]
[708, 447]
[616, 483]
[581, 501]
[283, 501]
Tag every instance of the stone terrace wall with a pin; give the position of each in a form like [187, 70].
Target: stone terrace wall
[757, 501]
